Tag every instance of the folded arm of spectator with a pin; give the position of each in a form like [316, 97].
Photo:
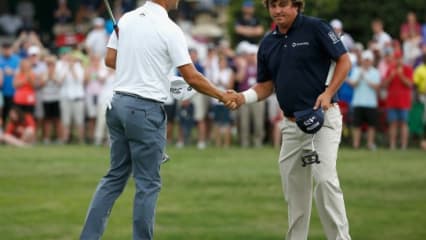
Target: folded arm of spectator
[249, 31]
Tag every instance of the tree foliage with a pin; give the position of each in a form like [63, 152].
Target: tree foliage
[313, 7]
[356, 15]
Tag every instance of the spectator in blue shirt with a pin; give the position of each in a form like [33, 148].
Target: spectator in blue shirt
[366, 81]
[9, 63]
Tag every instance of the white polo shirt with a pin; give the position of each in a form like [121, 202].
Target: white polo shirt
[149, 45]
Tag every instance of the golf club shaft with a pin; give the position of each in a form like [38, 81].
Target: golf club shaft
[111, 15]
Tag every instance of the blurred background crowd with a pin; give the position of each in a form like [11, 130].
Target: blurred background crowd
[54, 85]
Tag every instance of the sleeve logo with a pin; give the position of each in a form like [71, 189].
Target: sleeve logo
[333, 37]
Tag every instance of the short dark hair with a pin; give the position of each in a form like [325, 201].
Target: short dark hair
[6, 45]
[300, 4]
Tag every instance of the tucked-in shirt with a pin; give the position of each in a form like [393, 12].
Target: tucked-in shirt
[149, 45]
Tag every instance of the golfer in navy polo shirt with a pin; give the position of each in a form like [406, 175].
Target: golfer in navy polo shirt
[294, 60]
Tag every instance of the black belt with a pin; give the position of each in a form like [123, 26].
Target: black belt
[136, 96]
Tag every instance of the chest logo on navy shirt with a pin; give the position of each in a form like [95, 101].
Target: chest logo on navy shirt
[298, 44]
[333, 37]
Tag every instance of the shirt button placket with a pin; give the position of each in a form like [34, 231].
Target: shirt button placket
[285, 41]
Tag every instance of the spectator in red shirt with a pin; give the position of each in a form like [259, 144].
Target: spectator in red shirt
[24, 87]
[20, 130]
[399, 82]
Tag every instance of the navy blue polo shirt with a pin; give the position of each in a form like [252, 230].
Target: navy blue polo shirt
[298, 62]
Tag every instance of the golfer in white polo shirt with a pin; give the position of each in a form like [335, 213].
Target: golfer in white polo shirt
[148, 45]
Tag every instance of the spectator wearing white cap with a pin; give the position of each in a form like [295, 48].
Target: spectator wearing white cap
[97, 38]
[365, 81]
[39, 67]
[346, 38]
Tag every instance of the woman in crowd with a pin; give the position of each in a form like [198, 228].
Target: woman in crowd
[24, 82]
[222, 115]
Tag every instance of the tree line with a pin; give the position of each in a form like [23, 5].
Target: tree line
[356, 15]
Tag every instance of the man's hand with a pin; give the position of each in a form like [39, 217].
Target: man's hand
[237, 99]
[323, 101]
[229, 99]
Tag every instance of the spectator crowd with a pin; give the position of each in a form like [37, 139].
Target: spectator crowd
[56, 92]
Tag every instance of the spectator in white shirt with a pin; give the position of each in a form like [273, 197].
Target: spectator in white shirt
[97, 38]
[380, 37]
[50, 96]
[71, 77]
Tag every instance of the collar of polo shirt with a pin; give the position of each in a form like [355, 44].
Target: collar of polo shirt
[156, 7]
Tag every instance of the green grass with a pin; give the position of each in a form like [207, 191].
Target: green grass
[213, 194]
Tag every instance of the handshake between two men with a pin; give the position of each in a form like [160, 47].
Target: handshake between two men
[181, 90]
[232, 99]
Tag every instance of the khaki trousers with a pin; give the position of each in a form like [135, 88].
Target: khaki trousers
[297, 181]
[252, 113]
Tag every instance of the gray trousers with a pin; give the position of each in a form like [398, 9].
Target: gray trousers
[137, 132]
